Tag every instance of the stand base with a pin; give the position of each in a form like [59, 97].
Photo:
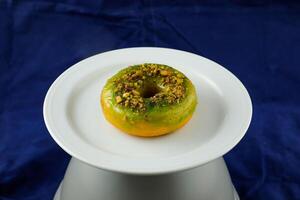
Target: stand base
[57, 194]
[210, 182]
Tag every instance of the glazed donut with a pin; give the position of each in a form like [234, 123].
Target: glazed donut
[148, 100]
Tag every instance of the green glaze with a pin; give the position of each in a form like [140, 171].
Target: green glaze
[161, 113]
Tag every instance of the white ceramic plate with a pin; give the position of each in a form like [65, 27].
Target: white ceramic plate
[74, 118]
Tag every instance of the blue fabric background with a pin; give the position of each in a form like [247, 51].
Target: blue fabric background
[259, 41]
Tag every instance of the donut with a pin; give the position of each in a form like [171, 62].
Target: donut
[148, 100]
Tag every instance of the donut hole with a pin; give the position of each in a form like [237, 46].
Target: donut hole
[150, 90]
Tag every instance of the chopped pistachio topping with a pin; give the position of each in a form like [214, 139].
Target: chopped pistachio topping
[119, 99]
[152, 84]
